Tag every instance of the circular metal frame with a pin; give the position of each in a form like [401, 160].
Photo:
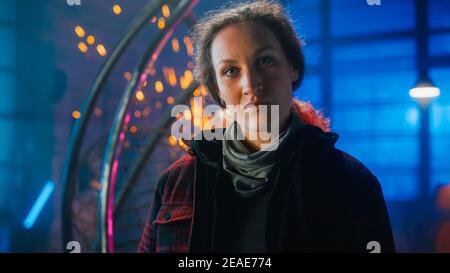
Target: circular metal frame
[106, 200]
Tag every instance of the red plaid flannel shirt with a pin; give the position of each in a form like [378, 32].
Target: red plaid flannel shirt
[168, 228]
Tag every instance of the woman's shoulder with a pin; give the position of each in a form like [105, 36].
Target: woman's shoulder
[186, 161]
[358, 175]
[353, 164]
[180, 175]
[184, 166]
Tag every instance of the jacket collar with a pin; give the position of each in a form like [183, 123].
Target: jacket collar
[210, 151]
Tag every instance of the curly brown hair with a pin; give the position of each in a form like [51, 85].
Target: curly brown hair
[270, 13]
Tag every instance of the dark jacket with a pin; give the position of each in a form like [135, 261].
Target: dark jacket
[325, 201]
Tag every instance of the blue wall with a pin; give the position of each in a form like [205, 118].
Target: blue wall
[7, 123]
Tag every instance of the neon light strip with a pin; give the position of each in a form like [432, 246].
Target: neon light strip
[40, 202]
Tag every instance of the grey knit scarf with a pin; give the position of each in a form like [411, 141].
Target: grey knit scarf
[253, 173]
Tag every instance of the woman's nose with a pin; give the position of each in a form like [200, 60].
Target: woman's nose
[252, 84]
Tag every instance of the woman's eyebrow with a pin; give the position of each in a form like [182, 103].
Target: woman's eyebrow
[226, 61]
[259, 51]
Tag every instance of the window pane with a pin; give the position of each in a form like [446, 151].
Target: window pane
[439, 13]
[441, 78]
[6, 138]
[377, 86]
[377, 71]
[7, 47]
[398, 187]
[381, 152]
[440, 128]
[310, 90]
[401, 118]
[439, 45]
[7, 10]
[440, 108]
[439, 177]
[350, 17]
[306, 17]
[382, 53]
[440, 148]
[7, 91]
[440, 118]
[312, 58]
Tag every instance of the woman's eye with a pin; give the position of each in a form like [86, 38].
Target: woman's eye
[230, 72]
[267, 60]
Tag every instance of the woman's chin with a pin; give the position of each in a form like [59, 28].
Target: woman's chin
[256, 127]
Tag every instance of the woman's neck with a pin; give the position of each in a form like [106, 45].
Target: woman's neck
[254, 144]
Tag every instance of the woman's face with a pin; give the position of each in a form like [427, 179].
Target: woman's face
[251, 69]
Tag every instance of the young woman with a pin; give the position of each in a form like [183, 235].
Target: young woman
[232, 195]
